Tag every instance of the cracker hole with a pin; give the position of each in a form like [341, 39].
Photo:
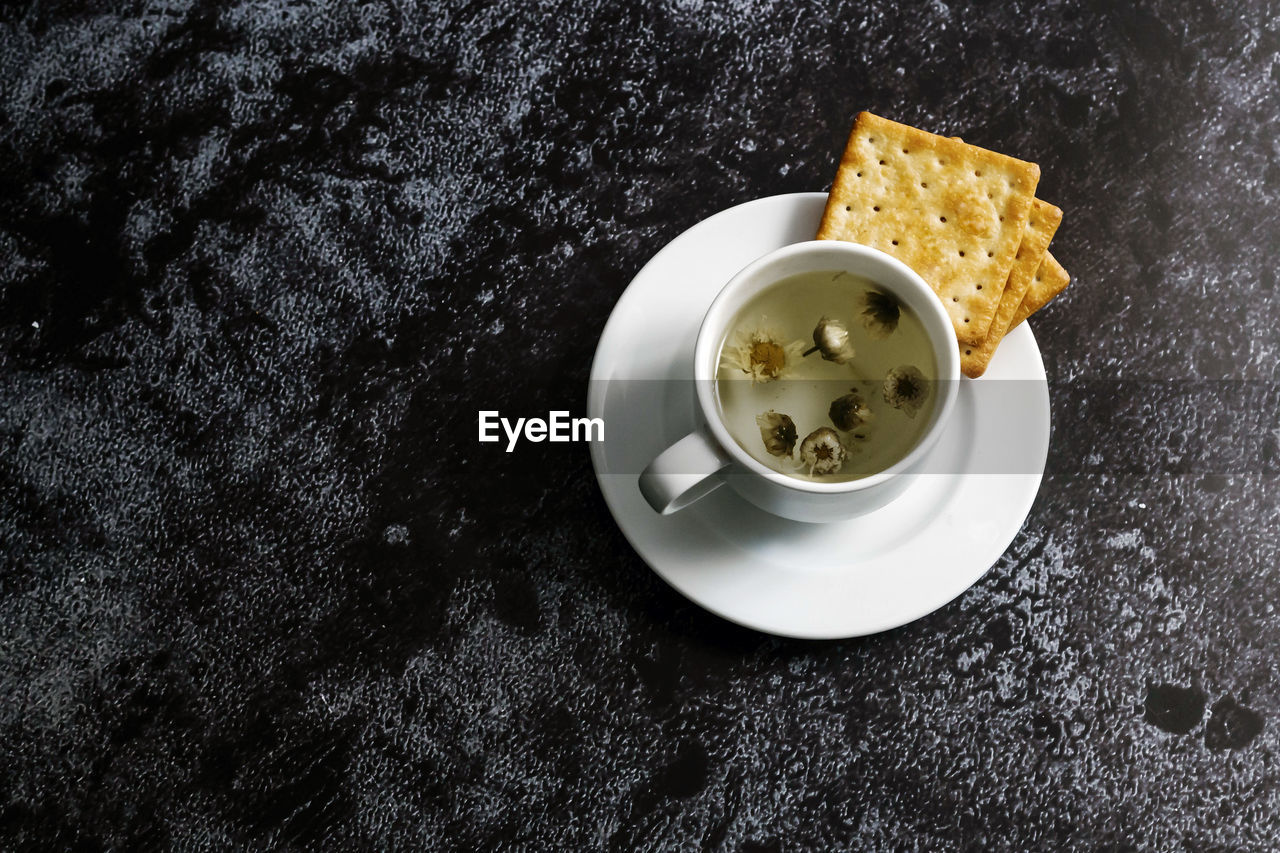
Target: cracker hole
[942, 219]
[924, 184]
[979, 287]
[1037, 278]
[881, 162]
[990, 195]
[977, 173]
[955, 299]
[876, 208]
[968, 352]
[871, 139]
[966, 319]
[962, 253]
[905, 151]
[895, 242]
[1002, 219]
[991, 254]
[859, 174]
[847, 207]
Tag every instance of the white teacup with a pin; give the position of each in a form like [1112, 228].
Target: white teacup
[709, 457]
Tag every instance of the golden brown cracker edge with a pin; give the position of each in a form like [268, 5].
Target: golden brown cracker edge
[1043, 224]
[1049, 281]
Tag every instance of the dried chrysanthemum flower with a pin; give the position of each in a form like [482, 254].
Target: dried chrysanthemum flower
[849, 412]
[905, 388]
[822, 451]
[832, 338]
[880, 313]
[761, 353]
[778, 432]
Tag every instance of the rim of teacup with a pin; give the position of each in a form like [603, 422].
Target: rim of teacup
[879, 267]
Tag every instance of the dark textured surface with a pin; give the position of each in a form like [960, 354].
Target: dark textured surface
[262, 262]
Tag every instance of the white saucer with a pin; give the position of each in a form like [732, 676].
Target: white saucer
[784, 577]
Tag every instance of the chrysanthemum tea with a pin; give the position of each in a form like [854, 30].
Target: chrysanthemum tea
[825, 377]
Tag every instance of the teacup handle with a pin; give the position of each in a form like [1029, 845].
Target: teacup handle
[684, 472]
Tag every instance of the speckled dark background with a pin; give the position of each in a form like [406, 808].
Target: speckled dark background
[260, 263]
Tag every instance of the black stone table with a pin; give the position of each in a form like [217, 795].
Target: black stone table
[261, 263]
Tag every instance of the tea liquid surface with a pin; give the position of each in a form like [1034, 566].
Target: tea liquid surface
[786, 314]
